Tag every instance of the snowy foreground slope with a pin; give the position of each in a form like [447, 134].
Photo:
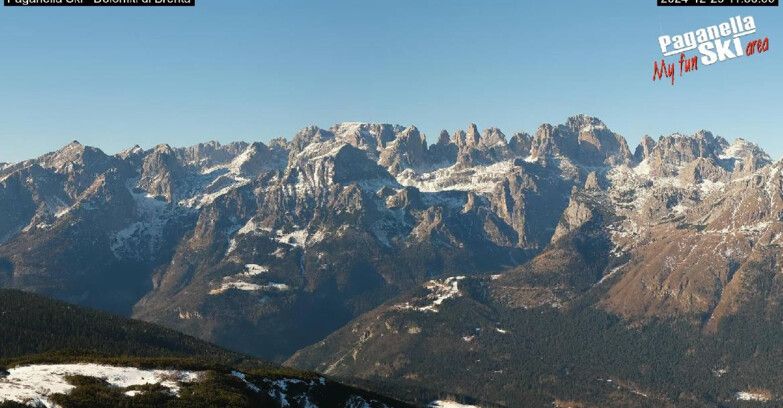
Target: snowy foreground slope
[38, 385]
[449, 404]
[34, 384]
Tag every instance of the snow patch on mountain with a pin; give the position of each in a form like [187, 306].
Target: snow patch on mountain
[296, 238]
[253, 270]
[592, 127]
[319, 151]
[252, 227]
[36, 383]
[479, 179]
[643, 168]
[449, 404]
[440, 291]
[144, 236]
[235, 165]
[708, 187]
[742, 149]
[243, 377]
[631, 188]
[218, 188]
[751, 396]
[243, 281]
[250, 287]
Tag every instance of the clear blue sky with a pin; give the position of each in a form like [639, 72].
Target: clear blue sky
[256, 69]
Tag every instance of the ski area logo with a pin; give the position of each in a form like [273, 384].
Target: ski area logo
[716, 43]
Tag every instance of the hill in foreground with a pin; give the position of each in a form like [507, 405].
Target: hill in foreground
[57, 354]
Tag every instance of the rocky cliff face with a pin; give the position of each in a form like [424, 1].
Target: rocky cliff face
[584, 140]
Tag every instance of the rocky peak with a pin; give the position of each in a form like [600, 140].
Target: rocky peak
[444, 151]
[473, 137]
[136, 150]
[475, 148]
[744, 156]
[520, 143]
[674, 151]
[494, 146]
[644, 149]
[411, 133]
[79, 164]
[371, 137]
[278, 143]
[163, 149]
[743, 148]
[444, 138]
[493, 137]
[71, 154]
[583, 123]
[583, 139]
[459, 138]
[310, 135]
[258, 157]
[71, 151]
[204, 155]
[159, 171]
[408, 150]
[544, 142]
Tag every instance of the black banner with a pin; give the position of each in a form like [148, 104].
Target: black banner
[99, 3]
[711, 3]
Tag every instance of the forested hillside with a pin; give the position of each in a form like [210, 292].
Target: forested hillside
[53, 353]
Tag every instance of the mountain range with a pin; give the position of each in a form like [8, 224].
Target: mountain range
[559, 268]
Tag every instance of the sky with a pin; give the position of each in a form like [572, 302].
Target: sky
[255, 70]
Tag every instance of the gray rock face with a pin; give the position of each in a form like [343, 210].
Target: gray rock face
[408, 150]
[676, 150]
[474, 148]
[583, 139]
[576, 215]
[592, 182]
[520, 144]
[645, 148]
[444, 151]
[744, 157]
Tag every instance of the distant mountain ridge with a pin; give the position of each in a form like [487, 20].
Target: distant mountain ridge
[268, 248]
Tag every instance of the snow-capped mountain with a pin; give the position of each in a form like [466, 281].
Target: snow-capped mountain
[269, 248]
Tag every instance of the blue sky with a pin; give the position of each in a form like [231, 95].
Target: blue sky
[256, 69]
